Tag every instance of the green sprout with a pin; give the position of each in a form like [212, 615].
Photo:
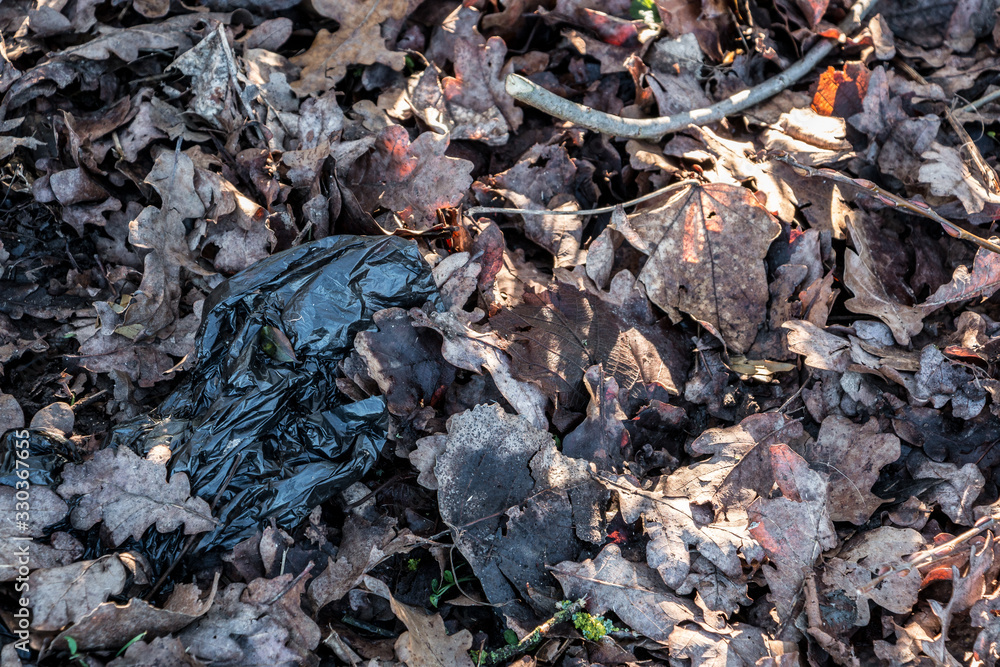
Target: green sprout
[413, 564]
[138, 637]
[438, 589]
[73, 653]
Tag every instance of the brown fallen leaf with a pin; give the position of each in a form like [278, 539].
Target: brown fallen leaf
[64, 595]
[411, 179]
[502, 490]
[873, 551]
[739, 470]
[405, 361]
[795, 529]
[160, 651]
[261, 623]
[111, 625]
[851, 455]
[426, 642]
[670, 524]
[363, 546]
[464, 347]
[706, 248]
[545, 177]
[631, 590]
[872, 298]
[358, 41]
[555, 336]
[947, 174]
[130, 494]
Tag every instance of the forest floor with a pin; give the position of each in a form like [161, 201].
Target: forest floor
[487, 407]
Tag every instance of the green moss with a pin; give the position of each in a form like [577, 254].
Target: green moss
[592, 627]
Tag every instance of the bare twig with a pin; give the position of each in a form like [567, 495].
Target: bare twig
[922, 558]
[889, 199]
[477, 210]
[534, 95]
[985, 170]
[982, 101]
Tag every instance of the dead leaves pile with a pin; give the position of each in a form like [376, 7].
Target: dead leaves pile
[753, 422]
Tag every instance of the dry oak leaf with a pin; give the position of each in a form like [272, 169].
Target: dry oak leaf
[413, 179]
[794, 529]
[871, 298]
[947, 175]
[851, 455]
[856, 566]
[670, 524]
[63, 595]
[706, 250]
[111, 625]
[260, 623]
[130, 494]
[161, 651]
[982, 282]
[822, 350]
[426, 642]
[359, 41]
[363, 546]
[631, 590]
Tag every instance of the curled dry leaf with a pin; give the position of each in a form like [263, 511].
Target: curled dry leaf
[130, 494]
[822, 350]
[706, 250]
[463, 347]
[426, 642]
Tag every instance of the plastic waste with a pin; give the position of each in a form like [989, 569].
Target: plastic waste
[259, 426]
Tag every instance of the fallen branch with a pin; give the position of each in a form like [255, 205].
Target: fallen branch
[887, 198]
[477, 210]
[534, 95]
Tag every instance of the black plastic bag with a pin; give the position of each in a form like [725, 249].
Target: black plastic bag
[260, 423]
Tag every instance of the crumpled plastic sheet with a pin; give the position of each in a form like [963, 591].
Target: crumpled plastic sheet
[260, 424]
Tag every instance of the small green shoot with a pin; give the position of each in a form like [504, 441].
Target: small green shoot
[438, 589]
[413, 564]
[135, 639]
[74, 654]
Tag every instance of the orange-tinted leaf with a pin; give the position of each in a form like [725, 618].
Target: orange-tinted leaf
[840, 93]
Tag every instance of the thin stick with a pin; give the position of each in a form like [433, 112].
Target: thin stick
[982, 101]
[476, 210]
[534, 95]
[888, 198]
[921, 558]
[985, 170]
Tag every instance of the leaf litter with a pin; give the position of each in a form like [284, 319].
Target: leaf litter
[749, 421]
